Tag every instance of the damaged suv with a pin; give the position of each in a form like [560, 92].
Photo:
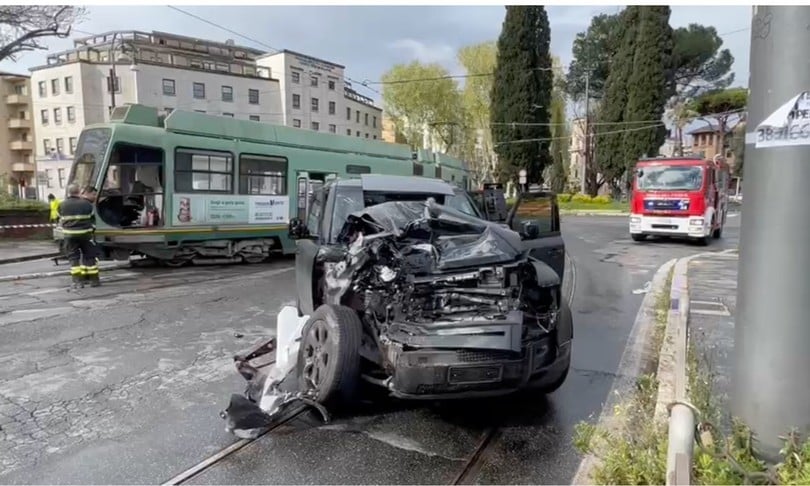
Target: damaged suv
[404, 283]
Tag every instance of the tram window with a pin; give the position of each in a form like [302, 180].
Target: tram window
[417, 169]
[358, 169]
[259, 174]
[203, 171]
[132, 190]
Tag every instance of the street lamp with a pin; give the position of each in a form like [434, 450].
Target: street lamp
[522, 179]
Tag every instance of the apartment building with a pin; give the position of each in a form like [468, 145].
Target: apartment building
[81, 86]
[316, 96]
[705, 141]
[17, 170]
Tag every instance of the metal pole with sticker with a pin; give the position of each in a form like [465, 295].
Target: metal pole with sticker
[771, 376]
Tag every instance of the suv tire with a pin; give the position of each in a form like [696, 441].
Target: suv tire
[329, 359]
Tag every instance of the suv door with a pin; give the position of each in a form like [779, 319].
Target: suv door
[540, 208]
[307, 250]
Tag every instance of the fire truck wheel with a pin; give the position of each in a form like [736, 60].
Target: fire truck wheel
[638, 237]
[702, 241]
[717, 234]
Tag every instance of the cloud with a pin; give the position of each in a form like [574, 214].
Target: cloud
[440, 53]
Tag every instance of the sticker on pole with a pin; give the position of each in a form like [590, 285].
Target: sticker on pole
[788, 126]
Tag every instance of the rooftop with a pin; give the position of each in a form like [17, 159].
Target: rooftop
[294, 53]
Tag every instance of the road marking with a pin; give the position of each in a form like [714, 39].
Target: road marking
[723, 309]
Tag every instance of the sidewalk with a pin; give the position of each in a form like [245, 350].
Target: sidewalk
[12, 251]
[713, 303]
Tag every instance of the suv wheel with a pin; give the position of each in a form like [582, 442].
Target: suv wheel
[329, 358]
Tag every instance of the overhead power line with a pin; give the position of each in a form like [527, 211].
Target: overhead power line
[219, 26]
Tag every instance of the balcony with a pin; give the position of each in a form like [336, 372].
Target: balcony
[22, 167]
[25, 145]
[19, 123]
[16, 99]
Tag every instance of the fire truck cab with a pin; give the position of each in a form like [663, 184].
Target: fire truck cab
[683, 197]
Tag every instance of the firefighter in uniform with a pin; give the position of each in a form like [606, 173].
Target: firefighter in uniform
[78, 225]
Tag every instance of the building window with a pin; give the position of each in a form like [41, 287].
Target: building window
[367, 135]
[72, 145]
[227, 114]
[358, 133]
[71, 114]
[331, 84]
[55, 86]
[57, 115]
[255, 118]
[375, 137]
[374, 124]
[314, 105]
[253, 96]
[349, 132]
[314, 81]
[366, 119]
[203, 171]
[349, 115]
[316, 126]
[227, 93]
[46, 144]
[332, 107]
[296, 101]
[358, 116]
[262, 175]
[199, 91]
[332, 128]
[296, 77]
[296, 123]
[48, 177]
[61, 174]
[168, 87]
[113, 86]
[19, 89]
[44, 115]
[60, 146]
[43, 89]
[68, 84]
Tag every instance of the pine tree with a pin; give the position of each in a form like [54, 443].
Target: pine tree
[521, 93]
[651, 84]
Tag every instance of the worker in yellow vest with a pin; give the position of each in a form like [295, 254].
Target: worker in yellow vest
[54, 205]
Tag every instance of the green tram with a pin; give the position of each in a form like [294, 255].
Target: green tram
[210, 189]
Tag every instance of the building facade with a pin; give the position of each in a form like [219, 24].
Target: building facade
[17, 168]
[81, 86]
[316, 96]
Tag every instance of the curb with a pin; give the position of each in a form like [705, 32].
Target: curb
[572, 212]
[57, 273]
[672, 377]
[635, 358]
[41, 256]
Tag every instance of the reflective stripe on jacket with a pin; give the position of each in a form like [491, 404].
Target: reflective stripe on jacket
[77, 216]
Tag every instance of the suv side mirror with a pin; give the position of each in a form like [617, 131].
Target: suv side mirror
[297, 229]
[530, 230]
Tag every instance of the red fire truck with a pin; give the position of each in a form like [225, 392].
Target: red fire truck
[684, 197]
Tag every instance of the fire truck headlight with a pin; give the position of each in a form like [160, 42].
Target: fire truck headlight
[696, 222]
[635, 220]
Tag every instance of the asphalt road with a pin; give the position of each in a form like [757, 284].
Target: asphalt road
[123, 384]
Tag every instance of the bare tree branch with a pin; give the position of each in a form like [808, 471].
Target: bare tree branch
[23, 27]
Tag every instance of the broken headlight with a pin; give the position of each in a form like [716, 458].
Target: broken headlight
[386, 274]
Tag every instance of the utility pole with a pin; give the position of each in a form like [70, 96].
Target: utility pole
[771, 375]
[113, 75]
[586, 159]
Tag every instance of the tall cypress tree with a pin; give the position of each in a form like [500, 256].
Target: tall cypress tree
[610, 154]
[521, 93]
[650, 85]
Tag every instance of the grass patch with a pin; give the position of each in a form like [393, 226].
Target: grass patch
[636, 451]
[729, 457]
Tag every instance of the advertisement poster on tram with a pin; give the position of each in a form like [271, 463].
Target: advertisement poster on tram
[209, 209]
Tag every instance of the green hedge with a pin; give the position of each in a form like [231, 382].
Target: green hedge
[23, 204]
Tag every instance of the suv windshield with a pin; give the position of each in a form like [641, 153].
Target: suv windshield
[669, 178]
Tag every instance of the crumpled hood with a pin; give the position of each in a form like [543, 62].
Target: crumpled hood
[458, 240]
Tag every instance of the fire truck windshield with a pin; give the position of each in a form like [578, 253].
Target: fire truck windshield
[669, 178]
